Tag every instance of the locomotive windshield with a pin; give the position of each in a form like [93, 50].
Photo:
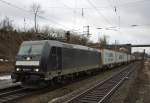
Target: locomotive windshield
[30, 49]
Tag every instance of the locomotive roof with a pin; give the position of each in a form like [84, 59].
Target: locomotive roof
[59, 44]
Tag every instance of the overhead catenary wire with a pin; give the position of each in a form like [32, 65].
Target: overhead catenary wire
[74, 14]
[65, 5]
[114, 8]
[118, 13]
[99, 12]
[39, 16]
[111, 5]
[103, 7]
[74, 9]
[54, 21]
[106, 20]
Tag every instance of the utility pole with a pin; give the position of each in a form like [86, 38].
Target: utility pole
[87, 32]
[115, 49]
[82, 12]
[142, 62]
[143, 54]
[67, 36]
[24, 25]
[115, 45]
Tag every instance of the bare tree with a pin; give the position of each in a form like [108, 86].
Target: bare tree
[36, 10]
[6, 24]
[78, 39]
[103, 41]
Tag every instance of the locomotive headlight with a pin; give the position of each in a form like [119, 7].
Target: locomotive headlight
[36, 70]
[17, 69]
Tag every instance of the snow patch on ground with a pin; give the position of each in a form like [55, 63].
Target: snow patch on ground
[5, 77]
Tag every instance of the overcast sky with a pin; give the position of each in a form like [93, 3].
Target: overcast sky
[69, 15]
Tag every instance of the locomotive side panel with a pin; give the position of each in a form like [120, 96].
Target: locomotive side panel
[75, 60]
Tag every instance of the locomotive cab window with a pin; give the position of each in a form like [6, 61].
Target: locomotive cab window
[31, 49]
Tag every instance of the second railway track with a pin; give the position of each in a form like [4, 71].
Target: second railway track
[101, 92]
[12, 93]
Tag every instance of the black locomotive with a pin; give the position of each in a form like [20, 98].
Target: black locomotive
[39, 62]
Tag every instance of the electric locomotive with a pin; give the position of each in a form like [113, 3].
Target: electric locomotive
[39, 62]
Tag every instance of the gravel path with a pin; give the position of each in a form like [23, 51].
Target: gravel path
[137, 88]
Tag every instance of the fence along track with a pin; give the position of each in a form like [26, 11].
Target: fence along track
[103, 90]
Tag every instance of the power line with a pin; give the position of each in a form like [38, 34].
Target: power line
[110, 4]
[74, 9]
[118, 12]
[107, 6]
[41, 17]
[75, 14]
[12, 5]
[114, 8]
[99, 12]
[64, 5]
[125, 4]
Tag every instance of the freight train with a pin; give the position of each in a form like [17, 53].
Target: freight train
[39, 62]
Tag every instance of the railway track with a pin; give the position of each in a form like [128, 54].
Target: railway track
[12, 93]
[101, 92]
[96, 94]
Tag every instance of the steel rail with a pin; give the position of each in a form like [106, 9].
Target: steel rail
[101, 91]
[13, 93]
